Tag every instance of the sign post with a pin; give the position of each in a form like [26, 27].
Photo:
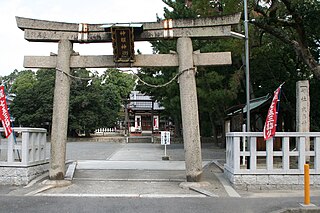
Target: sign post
[165, 140]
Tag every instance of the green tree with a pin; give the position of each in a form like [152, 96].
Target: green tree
[85, 103]
[97, 105]
[294, 22]
[91, 106]
[314, 105]
[32, 105]
[286, 48]
[217, 87]
[23, 80]
[168, 96]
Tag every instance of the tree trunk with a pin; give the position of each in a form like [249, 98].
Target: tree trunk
[214, 129]
[299, 43]
[177, 127]
[223, 136]
[304, 53]
[188, 3]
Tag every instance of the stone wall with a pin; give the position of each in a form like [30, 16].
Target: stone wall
[270, 182]
[18, 176]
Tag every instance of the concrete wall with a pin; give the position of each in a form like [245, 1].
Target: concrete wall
[21, 175]
[270, 182]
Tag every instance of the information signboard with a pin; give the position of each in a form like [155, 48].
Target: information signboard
[123, 44]
[165, 138]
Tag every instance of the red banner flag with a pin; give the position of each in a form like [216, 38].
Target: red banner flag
[4, 113]
[270, 125]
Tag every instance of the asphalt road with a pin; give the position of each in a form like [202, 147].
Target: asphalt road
[143, 205]
[104, 150]
[90, 191]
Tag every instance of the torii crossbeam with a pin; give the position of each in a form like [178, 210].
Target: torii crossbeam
[182, 30]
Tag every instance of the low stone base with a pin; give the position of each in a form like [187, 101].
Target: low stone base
[165, 158]
[251, 182]
[20, 176]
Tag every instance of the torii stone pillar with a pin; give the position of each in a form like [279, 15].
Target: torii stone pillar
[182, 29]
[189, 110]
[60, 111]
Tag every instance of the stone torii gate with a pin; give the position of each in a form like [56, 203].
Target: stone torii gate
[182, 29]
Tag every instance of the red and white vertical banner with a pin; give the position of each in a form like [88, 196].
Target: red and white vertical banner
[4, 113]
[156, 122]
[270, 125]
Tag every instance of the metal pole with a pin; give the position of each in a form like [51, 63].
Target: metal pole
[165, 150]
[306, 184]
[246, 29]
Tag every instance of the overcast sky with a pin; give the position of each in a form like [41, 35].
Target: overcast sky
[14, 47]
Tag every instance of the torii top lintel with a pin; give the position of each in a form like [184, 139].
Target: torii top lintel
[51, 31]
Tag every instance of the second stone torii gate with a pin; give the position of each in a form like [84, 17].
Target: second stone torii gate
[182, 29]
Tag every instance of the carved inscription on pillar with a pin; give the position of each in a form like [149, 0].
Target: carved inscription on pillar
[303, 111]
[303, 106]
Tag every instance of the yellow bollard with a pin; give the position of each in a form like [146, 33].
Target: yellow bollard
[306, 185]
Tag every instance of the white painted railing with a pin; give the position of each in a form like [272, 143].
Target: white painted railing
[288, 158]
[105, 130]
[27, 150]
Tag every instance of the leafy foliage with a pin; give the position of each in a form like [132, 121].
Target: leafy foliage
[217, 87]
[90, 107]
[284, 47]
[34, 98]
[286, 36]
[294, 23]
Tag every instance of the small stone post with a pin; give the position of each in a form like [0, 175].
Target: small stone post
[60, 112]
[189, 110]
[303, 110]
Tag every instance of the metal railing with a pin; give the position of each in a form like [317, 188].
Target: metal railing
[286, 153]
[27, 149]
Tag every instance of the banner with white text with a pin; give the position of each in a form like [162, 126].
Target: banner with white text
[270, 125]
[4, 113]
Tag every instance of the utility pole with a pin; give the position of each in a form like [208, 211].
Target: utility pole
[246, 30]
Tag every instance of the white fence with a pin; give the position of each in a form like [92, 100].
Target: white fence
[279, 163]
[23, 159]
[105, 130]
[27, 150]
[113, 131]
